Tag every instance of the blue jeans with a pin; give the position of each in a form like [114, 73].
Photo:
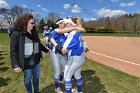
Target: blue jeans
[30, 74]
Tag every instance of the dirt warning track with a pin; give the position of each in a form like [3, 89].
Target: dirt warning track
[121, 53]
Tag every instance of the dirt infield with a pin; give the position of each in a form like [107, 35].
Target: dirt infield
[122, 53]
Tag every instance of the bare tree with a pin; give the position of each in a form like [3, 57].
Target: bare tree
[1, 23]
[1, 26]
[53, 16]
[136, 23]
[15, 12]
[5, 13]
[11, 14]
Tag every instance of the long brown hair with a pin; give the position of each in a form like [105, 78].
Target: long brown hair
[74, 19]
[21, 23]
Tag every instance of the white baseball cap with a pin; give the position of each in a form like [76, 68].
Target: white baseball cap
[69, 21]
[60, 21]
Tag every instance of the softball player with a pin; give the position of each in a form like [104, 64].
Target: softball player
[73, 45]
[56, 57]
[47, 34]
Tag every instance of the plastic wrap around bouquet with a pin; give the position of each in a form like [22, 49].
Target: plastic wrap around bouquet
[85, 47]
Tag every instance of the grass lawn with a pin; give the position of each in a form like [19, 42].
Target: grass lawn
[97, 77]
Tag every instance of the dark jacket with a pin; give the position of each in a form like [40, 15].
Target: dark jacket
[17, 48]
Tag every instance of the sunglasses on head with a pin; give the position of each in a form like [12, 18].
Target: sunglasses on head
[31, 23]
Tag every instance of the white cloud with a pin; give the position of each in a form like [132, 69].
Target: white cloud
[67, 6]
[76, 9]
[133, 3]
[34, 13]
[44, 9]
[90, 19]
[104, 12]
[3, 4]
[39, 5]
[114, 0]
[24, 5]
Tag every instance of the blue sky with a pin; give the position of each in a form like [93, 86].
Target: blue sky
[88, 9]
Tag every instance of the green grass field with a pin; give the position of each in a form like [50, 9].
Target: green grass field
[97, 77]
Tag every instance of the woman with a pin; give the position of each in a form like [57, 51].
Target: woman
[25, 51]
[73, 45]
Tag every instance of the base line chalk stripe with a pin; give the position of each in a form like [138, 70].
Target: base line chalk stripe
[114, 58]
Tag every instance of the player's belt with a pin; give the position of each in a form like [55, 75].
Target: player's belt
[57, 53]
[76, 55]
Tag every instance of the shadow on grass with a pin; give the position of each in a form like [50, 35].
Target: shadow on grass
[4, 82]
[2, 69]
[2, 54]
[3, 51]
[1, 63]
[48, 89]
[91, 84]
[1, 58]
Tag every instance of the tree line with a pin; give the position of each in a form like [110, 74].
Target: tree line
[129, 23]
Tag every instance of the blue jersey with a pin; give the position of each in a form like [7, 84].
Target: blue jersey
[46, 33]
[74, 44]
[59, 38]
[9, 30]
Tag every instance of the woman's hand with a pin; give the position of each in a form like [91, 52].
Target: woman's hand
[17, 69]
[80, 29]
[64, 51]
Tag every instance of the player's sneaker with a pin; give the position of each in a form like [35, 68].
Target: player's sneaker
[75, 91]
[58, 90]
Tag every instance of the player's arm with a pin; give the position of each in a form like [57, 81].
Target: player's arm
[53, 37]
[53, 41]
[66, 30]
[58, 47]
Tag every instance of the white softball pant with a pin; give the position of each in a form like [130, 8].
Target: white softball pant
[73, 67]
[57, 60]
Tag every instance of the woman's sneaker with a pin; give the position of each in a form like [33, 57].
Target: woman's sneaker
[58, 90]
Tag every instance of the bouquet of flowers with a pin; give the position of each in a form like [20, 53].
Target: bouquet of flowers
[85, 47]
